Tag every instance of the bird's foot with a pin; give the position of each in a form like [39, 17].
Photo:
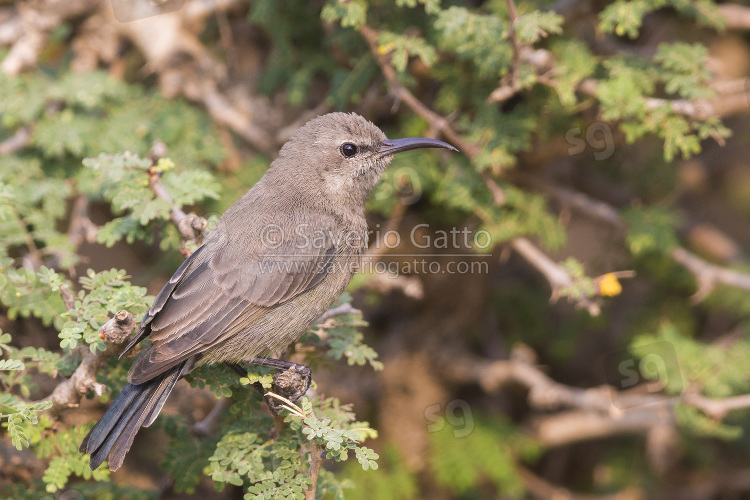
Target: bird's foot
[291, 381]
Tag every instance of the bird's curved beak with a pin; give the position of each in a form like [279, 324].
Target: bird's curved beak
[393, 146]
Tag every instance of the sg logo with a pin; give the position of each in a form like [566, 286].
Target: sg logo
[457, 414]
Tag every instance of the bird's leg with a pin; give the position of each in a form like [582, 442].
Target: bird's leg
[291, 381]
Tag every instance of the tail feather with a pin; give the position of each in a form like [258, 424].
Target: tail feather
[116, 428]
[162, 398]
[121, 404]
[114, 433]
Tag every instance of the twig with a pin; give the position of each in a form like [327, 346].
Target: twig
[509, 83]
[709, 275]
[557, 276]
[316, 461]
[341, 310]
[67, 296]
[411, 286]
[19, 140]
[190, 226]
[717, 408]
[397, 88]
[706, 274]
[699, 109]
[206, 427]
[316, 450]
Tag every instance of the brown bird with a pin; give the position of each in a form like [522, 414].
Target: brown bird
[276, 260]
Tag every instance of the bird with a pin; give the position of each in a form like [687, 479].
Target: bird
[275, 261]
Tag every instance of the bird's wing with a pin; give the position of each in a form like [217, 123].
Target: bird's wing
[223, 288]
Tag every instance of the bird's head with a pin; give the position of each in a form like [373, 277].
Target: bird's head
[343, 155]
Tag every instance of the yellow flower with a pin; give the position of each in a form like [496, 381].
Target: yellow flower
[384, 49]
[609, 286]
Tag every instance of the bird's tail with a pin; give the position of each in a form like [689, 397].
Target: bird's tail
[137, 406]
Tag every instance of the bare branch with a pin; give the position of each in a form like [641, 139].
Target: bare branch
[706, 274]
[709, 275]
[699, 109]
[717, 408]
[316, 461]
[37, 19]
[590, 413]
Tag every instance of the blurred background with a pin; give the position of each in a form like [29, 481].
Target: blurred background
[561, 311]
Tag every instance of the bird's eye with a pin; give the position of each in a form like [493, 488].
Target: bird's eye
[348, 149]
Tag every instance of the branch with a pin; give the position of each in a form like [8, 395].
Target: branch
[706, 274]
[316, 461]
[590, 413]
[37, 19]
[541, 488]
[717, 408]
[709, 275]
[341, 310]
[402, 93]
[556, 275]
[699, 109]
[207, 426]
[509, 83]
[736, 16]
[81, 227]
[68, 393]
[19, 140]
[190, 226]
